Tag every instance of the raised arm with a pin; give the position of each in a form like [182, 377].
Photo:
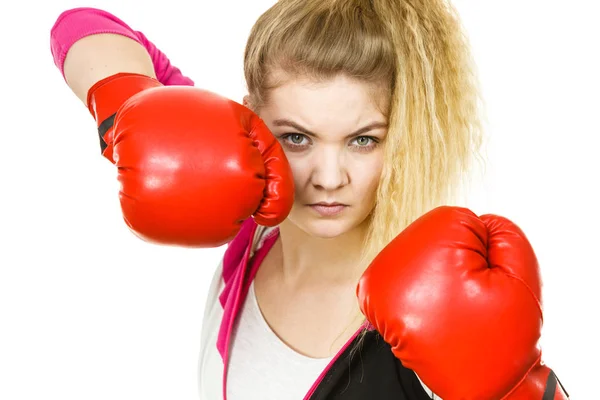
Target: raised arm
[89, 45]
[179, 186]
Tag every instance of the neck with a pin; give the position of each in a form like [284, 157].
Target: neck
[305, 258]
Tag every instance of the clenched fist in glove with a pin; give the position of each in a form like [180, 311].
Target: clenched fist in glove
[192, 165]
[458, 297]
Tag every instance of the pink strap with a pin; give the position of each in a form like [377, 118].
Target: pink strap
[78, 23]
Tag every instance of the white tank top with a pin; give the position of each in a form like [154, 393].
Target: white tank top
[262, 366]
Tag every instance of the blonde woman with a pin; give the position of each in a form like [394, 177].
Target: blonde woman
[361, 116]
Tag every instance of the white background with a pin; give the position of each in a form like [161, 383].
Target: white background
[88, 311]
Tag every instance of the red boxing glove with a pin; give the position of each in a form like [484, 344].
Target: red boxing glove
[458, 297]
[192, 165]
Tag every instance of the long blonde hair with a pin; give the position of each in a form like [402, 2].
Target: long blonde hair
[417, 49]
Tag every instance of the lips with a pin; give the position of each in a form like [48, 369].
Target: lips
[326, 209]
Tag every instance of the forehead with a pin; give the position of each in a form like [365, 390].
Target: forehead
[340, 101]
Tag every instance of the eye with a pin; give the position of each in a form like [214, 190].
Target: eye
[363, 140]
[296, 138]
[295, 141]
[365, 143]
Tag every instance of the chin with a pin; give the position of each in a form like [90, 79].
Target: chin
[325, 228]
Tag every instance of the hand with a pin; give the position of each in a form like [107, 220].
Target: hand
[192, 165]
[458, 297]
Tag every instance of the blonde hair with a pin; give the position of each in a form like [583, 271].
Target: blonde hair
[418, 51]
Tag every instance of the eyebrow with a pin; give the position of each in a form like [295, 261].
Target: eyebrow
[301, 129]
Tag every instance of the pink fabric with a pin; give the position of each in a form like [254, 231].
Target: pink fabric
[235, 261]
[78, 23]
[239, 270]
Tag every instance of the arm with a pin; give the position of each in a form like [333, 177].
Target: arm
[160, 137]
[89, 45]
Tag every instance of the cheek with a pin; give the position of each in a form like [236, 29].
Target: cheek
[300, 171]
[366, 175]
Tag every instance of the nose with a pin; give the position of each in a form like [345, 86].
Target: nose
[330, 171]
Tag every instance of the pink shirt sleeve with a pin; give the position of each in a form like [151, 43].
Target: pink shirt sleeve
[78, 23]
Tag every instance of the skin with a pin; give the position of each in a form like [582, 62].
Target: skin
[96, 57]
[332, 133]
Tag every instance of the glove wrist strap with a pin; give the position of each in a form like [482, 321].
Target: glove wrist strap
[106, 97]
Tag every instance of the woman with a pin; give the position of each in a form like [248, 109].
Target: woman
[376, 107]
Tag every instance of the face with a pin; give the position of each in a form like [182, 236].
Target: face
[332, 133]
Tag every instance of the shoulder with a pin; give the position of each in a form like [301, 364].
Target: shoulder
[248, 241]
